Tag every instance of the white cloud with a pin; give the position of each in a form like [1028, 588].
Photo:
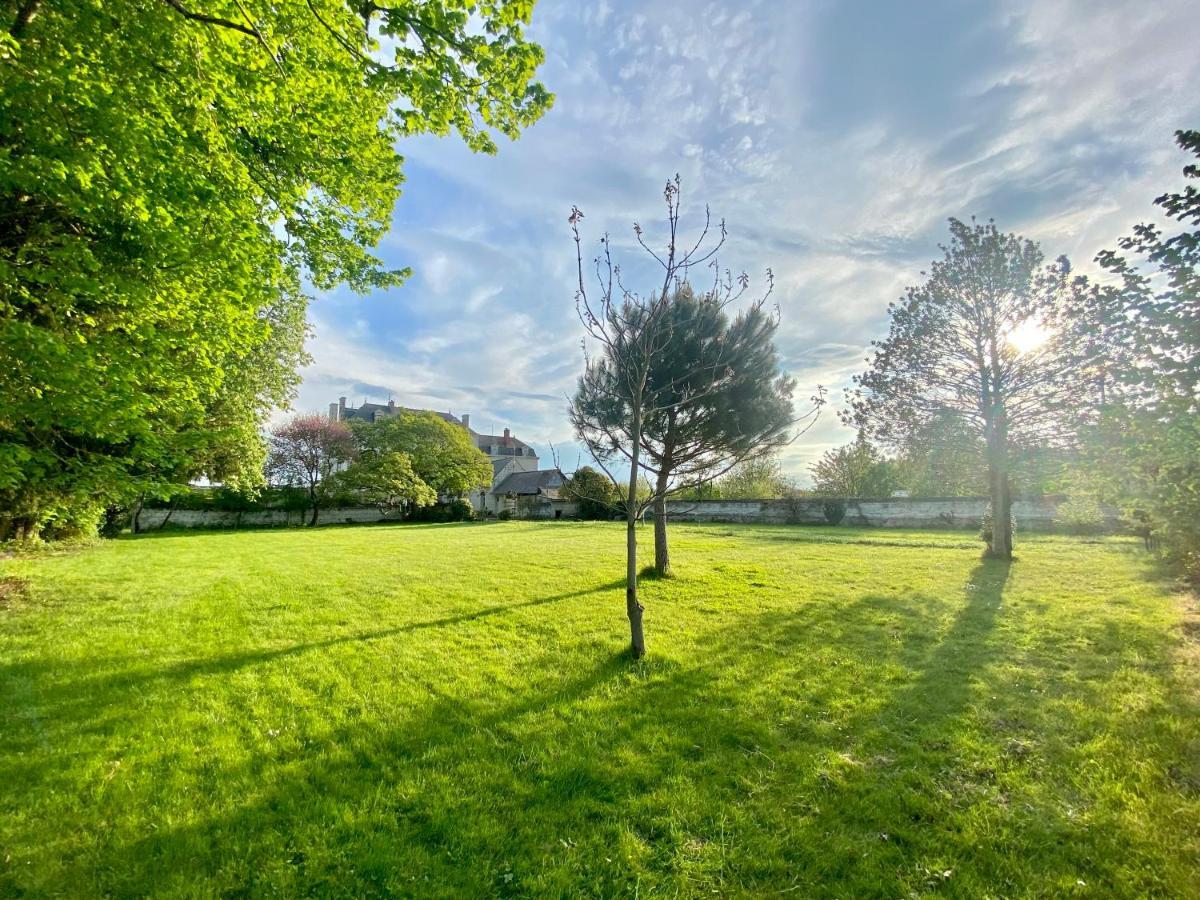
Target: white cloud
[835, 142]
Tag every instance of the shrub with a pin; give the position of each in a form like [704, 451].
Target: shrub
[835, 511]
[504, 515]
[985, 526]
[460, 510]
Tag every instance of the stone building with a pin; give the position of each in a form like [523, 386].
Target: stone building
[517, 483]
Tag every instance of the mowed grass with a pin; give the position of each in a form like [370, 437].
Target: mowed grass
[450, 711]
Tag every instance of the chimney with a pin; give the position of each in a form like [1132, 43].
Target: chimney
[507, 438]
[333, 412]
[341, 407]
[466, 420]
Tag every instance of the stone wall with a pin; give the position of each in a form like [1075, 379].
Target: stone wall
[1033, 514]
[150, 519]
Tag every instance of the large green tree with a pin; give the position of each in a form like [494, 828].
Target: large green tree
[173, 175]
[442, 455]
[757, 478]
[594, 494]
[953, 350]
[387, 481]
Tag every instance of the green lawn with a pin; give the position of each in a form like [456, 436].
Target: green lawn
[449, 710]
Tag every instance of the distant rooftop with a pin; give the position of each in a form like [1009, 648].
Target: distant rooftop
[492, 444]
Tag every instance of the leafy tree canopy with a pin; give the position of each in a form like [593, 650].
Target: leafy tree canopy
[388, 481]
[855, 470]
[172, 173]
[594, 494]
[443, 455]
[1148, 437]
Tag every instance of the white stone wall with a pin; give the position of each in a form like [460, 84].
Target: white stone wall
[1035, 513]
[151, 519]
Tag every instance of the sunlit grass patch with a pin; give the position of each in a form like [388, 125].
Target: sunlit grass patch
[450, 710]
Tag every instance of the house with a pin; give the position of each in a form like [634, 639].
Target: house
[531, 495]
[517, 483]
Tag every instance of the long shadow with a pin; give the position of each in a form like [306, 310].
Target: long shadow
[725, 773]
[944, 687]
[470, 788]
[96, 696]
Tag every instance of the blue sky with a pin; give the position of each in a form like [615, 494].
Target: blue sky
[835, 138]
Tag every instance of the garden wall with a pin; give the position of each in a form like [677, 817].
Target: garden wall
[1034, 513]
[150, 519]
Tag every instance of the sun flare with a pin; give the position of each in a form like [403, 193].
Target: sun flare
[1028, 336]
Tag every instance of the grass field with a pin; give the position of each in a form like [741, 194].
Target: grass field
[450, 710]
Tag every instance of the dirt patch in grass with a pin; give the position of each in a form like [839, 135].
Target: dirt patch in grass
[13, 590]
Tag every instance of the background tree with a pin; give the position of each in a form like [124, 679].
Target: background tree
[757, 478]
[387, 481]
[940, 458]
[854, 470]
[716, 397]
[306, 452]
[173, 173]
[951, 351]
[630, 330]
[593, 493]
[1147, 436]
[442, 455]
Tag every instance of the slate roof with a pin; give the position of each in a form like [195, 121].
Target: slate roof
[510, 446]
[483, 441]
[368, 411]
[543, 481]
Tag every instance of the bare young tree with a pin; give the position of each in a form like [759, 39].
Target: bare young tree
[645, 384]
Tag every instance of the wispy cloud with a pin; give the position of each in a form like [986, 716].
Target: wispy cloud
[834, 138]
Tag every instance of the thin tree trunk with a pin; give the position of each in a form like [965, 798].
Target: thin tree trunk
[662, 551]
[313, 520]
[998, 489]
[632, 607]
[167, 517]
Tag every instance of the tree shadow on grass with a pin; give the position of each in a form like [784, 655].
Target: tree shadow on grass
[688, 777]
[99, 702]
[817, 750]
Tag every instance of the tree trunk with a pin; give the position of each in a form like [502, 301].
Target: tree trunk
[662, 552]
[313, 520]
[633, 608]
[998, 489]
